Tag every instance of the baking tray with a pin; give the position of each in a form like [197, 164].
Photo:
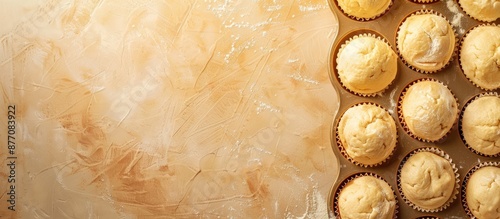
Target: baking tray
[451, 75]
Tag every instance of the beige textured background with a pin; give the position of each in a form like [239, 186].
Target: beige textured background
[145, 109]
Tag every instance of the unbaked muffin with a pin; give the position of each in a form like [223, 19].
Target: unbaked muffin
[426, 42]
[366, 9]
[367, 133]
[483, 193]
[483, 10]
[427, 180]
[429, 110]
[366, 197]
[366, 65]
[480, 125]
[480, 56]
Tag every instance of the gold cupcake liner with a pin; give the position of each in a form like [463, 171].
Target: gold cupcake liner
[461, 133]
[343, 183]
[460, 44]
[421, 12]
[340, 47]
[442, 154]
[401, 116]
[335, 2]
[427, 217]
[466, 180]
[343, 151]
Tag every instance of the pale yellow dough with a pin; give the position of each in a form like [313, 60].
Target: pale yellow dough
[480, 56]
[364, 8]
[426, 41]
[484, 10]
[481, 125]
[366, 65]
[367, 197]
[429, 110]
[427, 180]
[483, 193]
[368, 133]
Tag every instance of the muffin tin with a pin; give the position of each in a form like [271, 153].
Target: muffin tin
[452, 76]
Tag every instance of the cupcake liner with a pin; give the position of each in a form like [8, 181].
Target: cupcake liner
[466, 180]
[427, 217]
[344, 153]
[455, 47]
[340, 47]
[403, 122]
[465, 12]
[461, 133]
[460, 44]
[343, 183]
[335, 2]
[424, 1]
[442, 154]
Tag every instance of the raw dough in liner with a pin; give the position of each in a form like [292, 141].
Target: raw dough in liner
[426, 41]
[427, 180]
[367, 65]
[481, 125]
[367, 197]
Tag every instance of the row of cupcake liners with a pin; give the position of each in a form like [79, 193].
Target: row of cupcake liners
[456, 127]
[334, 3]
[464, 158]
[434, 150]
[344, 40]
[458, 194]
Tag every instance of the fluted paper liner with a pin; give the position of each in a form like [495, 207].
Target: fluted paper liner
[466, 180]
[424, 1]
[442, 154]
[338, 49]
[336, 210]
[460, 44]
[403, 122]
[335, 3]
[421, 12]
[461, 118]
[343, 151]
[427, 217]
